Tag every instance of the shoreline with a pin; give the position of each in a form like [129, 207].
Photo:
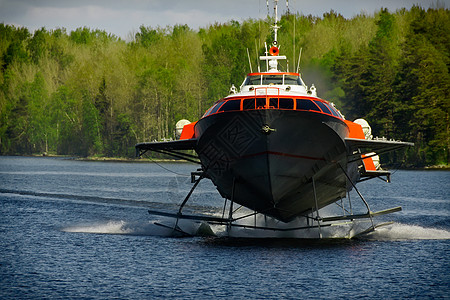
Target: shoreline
[104, 159]
[162, 160]
[130, 160]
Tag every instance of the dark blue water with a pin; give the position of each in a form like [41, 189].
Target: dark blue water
[73, 229]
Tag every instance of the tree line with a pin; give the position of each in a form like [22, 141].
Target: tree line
[88, 92]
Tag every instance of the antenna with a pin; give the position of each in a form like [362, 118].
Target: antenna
[275, 26]
[257, 61]
[272, 60]
[249, 61]
[299, 57]
[267, 62]
[293, 53]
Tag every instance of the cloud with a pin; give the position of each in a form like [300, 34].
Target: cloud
[81, 15]
[120, 16]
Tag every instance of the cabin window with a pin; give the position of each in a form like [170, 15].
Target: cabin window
[273, 103]
[333, 110]
[231, 105]
[292, 80]
[286, 103]
[260, 103]
[305, 104]
[216, 108]
[207, 112]
[253, 80]
[211, 109]
[248, 104]
[272, 79]
[324, 108]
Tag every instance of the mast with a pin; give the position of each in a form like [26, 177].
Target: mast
[272, 59]
[275, 25]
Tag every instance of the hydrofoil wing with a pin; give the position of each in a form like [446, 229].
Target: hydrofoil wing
[171, 148]
[361, 149]
[374, 146]
[169, 145]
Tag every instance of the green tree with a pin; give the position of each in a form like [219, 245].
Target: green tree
[422, 87]
[381, 73]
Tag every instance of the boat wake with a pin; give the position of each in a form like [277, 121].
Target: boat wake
[401, 232]
[165, 228]
[97, 200]
[150, 228]
[117, 227]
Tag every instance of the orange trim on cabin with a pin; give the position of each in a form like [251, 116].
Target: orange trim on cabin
[355, 130]
[188, 131]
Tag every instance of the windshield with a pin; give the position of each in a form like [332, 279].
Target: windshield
[292, 80]
[273, 79]
[253, 80]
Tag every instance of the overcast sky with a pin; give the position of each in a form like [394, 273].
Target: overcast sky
[121, 17]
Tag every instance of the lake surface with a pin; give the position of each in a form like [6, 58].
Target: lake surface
[76, 229]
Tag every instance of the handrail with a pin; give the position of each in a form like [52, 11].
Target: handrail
[266, 94]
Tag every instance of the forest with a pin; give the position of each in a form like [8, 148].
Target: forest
[90, 93]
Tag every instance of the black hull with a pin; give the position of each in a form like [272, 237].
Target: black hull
[266, 159]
